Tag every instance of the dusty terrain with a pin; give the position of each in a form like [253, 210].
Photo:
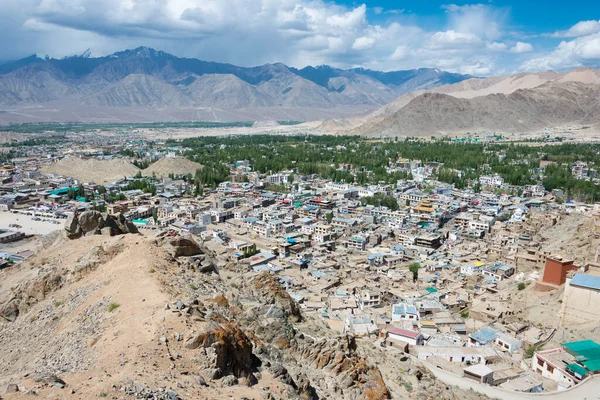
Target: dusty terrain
[172, 165]
[135, 317]
[92, 170]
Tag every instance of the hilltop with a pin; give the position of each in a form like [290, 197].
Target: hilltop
[172, 165]
[91, 169]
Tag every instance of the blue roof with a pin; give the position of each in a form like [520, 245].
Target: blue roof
[586, 281]
[485, 335]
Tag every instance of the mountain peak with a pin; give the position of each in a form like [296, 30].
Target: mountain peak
[142, 52]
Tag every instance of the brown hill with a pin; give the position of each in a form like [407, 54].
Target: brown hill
[524, 110]
[172, 165]
[484, 93]
[92, 169]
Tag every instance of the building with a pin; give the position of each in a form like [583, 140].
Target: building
[360, 326]
[556, 269]
[403, 311]
[368, 297]
[494, 180]
[472, 355]
[413, 338]
[552, 364]
[431, 241]
[508, 343]
[482, 337]
[581, 300]
[480, 373]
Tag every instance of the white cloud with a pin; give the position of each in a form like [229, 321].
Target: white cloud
[582, 51]
[496, 46]
[469, 39]
[400, 53]
[521, 47]
[363, 43]
[453, 40]
[582, 28]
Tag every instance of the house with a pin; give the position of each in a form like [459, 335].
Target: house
[403, 311]
[480, 373]
[527, 384]
[456, 354]
[552, 364]
[508, 343]
[580, 300]
[368, 297]
[471, 268]
[360, 326]
[413, 338]
[482, 337]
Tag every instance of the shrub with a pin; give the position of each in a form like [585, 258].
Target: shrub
[152, 270]
[521, 286]
[464, 314]
[58, 303]
[530, 351]
[113, 306]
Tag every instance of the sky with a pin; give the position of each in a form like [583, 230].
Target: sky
[489, 38]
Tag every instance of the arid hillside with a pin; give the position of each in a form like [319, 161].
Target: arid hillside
[92, 170]
[158, 317]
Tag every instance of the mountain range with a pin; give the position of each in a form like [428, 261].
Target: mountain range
[145, 84]
[518, 103]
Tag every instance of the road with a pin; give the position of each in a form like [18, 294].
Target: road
[588, 389]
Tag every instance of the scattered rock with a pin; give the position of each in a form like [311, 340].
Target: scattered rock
[96, 223]
[229, 380]
[12, 388]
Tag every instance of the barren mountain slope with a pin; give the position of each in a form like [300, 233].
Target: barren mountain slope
[172, 165]
[433, 120]
[137, 317]
[92, 170]
[524, 110]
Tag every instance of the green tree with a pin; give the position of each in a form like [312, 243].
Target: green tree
[414, 268]
[102, 189]
[329, 217]
[155, 214]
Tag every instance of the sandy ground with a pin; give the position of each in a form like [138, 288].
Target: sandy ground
[29, 226]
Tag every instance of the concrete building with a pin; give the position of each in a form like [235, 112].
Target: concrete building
[556, 269]
[581, 301]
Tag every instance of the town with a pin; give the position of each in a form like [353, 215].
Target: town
[477, 257]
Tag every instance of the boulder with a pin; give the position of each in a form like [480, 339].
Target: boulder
[183, 247]
[227, 347]
[72, 228]
[12, 388]
[229, 380]
[206, 267]
[91, 222]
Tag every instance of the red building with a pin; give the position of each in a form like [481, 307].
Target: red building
[556, 269]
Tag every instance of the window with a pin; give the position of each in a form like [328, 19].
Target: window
[540, 362]
[550, 368]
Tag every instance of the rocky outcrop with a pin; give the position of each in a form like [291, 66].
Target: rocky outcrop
[276, 301]
[227, 348]
[97, 223]
[353, 375]
[181, 247]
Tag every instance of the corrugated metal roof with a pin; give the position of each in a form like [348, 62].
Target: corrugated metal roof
[586, 281]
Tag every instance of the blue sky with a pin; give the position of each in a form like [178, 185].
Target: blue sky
[478, 38]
